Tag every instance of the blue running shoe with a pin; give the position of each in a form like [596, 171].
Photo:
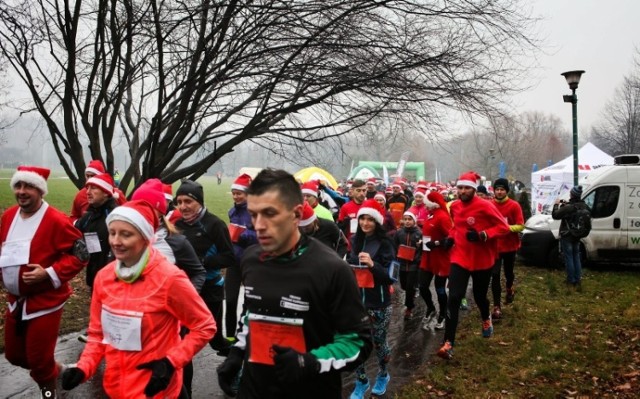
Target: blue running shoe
[380, 387]
[360, 390]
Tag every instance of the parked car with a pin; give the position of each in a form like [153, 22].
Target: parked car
[613, 196]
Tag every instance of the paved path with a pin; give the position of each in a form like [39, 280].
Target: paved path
[410, 346]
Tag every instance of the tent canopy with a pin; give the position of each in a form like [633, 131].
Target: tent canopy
[315, 173]
[551, 182]
[363, 172]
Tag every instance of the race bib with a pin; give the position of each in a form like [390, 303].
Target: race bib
[353, 225]
[122, 329]
[93, 242]
[266, 331]
[15, 252]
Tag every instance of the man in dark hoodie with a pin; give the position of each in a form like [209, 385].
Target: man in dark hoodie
[570, 245]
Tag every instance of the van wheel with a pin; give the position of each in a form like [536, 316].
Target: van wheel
[555, 259]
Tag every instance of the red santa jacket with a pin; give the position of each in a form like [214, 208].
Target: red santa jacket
[53, 245]
[479, 215]
[436, 227]
[512, 213]
[163, 298]
[80, 202]
[349, 210]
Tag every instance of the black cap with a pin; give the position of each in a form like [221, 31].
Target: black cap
[191, 189]
[501, 182]
[482, 189]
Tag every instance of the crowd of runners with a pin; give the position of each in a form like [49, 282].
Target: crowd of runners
[318, 264]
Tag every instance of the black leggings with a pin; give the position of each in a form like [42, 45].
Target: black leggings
[424, 279]
[508, 259]
[408, 282]
[458, 281]
[231, 291]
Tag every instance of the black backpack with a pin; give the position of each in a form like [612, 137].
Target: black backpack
[579, 223]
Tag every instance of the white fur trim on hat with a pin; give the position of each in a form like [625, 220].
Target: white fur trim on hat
[95, 171]
[31, 178]
[105, 186]
[408, 213]
[239, 187]
[135, 218]
[374, 213]
[306, 222]
[467, 183]
[168, 197]
[380, 195]
[309, 192]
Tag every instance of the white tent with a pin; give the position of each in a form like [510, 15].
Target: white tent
[551, 182]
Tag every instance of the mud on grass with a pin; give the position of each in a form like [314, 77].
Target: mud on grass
[75, 316]
[554, 342]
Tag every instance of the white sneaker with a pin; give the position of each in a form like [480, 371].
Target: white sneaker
[427, 321]
[440, 324]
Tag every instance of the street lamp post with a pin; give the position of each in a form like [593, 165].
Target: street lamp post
[573, 78]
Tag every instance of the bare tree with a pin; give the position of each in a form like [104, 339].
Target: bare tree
[619, 130]
[185, 82]
[519, 141]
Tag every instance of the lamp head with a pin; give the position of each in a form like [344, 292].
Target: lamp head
[573, 78]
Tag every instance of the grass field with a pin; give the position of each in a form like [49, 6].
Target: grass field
[553, 343]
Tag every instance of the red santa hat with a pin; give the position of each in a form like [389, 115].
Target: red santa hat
[435, 198]
[388, 190]
[167, 189]
[241, 183]
[103, 181]
[411, 215]
[422, 184]
[310, 188]
[371, 180]
[152, 192]
[372, 208]
[469, 179]
[380, 194]
[421, 192]
[308, 215]
[397, 183]
[35, 176]
[95, 167]
[139, 214]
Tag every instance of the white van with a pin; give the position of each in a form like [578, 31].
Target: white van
[613, 195]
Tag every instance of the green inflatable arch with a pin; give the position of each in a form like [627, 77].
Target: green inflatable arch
[413, 171]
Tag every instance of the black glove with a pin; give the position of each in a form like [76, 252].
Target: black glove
[161, 372]
[71, 378]
[292, 366]
[473, 235]
[430, 244]
[448, 243]
[229, 369]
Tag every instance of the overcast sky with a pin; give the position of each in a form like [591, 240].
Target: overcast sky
[596, 36]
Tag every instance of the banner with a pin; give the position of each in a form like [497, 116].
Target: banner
[404, 157]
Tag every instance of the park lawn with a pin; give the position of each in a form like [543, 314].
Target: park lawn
[61, 193]
[553, 342]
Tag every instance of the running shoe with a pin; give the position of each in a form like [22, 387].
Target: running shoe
[380, 387]
[487, 328]
[428, 320]
[497, 313]
[446, 352]
[511, 294]
[440, 324]
[464, 305]
[360, 390]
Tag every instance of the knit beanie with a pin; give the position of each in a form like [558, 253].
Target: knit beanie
[140, 215]
[152, 192]
[576, 192]
[501, 183]
[191, 189]
[482, 189]
[35, 176]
